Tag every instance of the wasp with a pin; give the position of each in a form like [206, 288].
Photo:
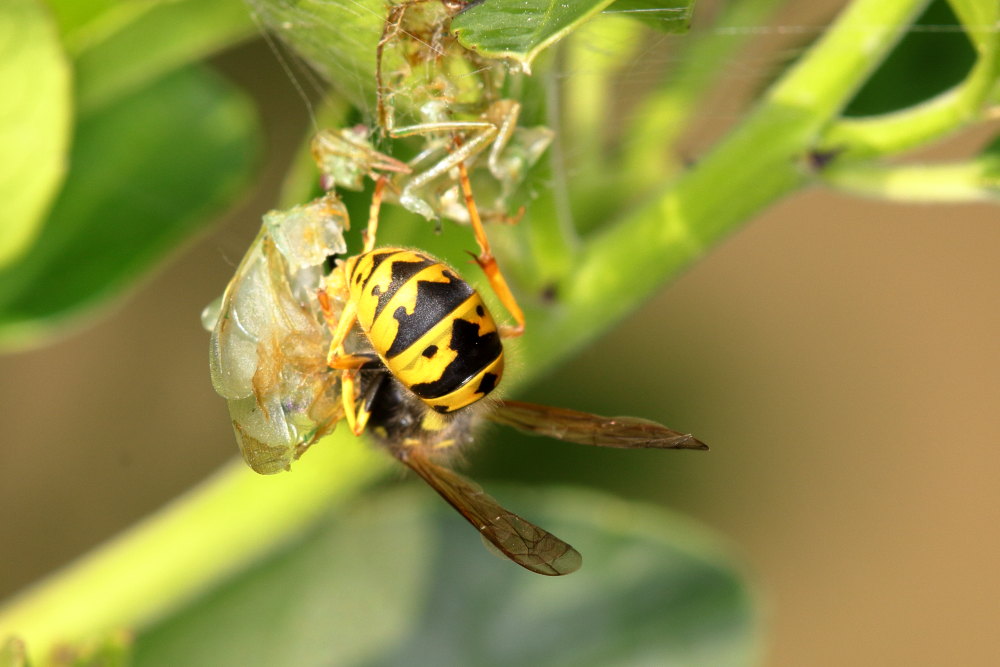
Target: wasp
[430, 352]
[394, 342]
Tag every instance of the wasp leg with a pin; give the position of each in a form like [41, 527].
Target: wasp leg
[373, 212]
[341, 326]
[488, 263]
[348, 389]
[357, 413]
[353, 362]
[339, 359]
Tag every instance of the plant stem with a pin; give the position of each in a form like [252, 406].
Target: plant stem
[664, 115]
[890, 133]
[762, 159]
[962, 182]
[217, 528]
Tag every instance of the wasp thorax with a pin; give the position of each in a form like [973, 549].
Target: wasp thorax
[399, 421]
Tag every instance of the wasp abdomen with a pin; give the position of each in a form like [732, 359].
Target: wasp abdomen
[430, 327]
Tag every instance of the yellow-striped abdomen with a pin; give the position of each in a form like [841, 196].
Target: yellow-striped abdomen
[430, 328]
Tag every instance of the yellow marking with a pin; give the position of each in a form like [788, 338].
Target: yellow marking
[411, 367]
[361, 292]
[432, 421]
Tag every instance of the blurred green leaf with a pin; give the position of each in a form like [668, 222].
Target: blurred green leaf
[35, 110]
[672, 16]
[925, 63]
[165, 37]
[12, 652]
[145, 174]
[114, 650]
[83, 23]
[521, 30]
[402, 580]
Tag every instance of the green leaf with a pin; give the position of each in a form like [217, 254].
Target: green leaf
[168, 36]
[521, 30]
[83, 23]
[34, 121]
[144, 175]
[402, 580]
[672, 16]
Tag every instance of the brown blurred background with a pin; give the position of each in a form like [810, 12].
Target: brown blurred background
[840, 356]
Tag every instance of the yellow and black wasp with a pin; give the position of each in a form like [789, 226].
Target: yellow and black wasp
[396, 343]
[430, 352]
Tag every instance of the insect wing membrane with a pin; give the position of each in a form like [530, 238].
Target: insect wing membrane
[522, 542]
[306, 235]
[588, 429]
[233, 345]
[267, 349]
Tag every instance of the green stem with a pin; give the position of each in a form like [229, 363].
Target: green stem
[887, 134]
[759, 162]
[217, 528]
[964, 182]
[660, 119]
[594, 67]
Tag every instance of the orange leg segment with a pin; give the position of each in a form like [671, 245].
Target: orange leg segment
[487, 262]
[373, 211]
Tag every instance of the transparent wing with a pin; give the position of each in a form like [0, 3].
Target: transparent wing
[522, 542]
[587, 429]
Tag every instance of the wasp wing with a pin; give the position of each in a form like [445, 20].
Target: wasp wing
[522, 542]
[588, 429]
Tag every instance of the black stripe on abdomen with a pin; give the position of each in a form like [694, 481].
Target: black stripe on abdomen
[376, 259]
[474, 353]
[435, 301]
[402, 272]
